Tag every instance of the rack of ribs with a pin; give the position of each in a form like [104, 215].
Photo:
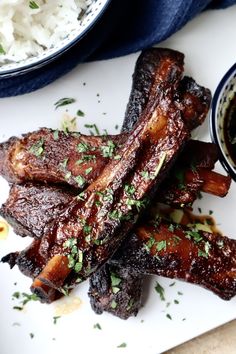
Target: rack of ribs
[22, 161]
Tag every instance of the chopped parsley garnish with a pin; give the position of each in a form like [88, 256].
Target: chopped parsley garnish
[129, 189]
[31, 335]
[83, 147]
[161, 245]
[113, 304]
[172, 284]
[24, 299]
[193, 234]
[160, 290]
[115, 282]
[176, 302]
[16, 295]
[115, 214]
[179, 293]
[80, 180]
[205, 253]
[130, 304]
[150, 243]
[200, 210]
[171, 228]
[55, 318]
[33, 5]
[88, 171]
[87, 229]
[97, 326]
[108, 150]
[80, 113]
[169, 316]
[75, 257]
[56, 135]
[86, 158]
[64, 102]
[37, 148]
[93, 126]
[116, 126]
[145, 175]
[122, 345]
[2, 51]
[210, 212]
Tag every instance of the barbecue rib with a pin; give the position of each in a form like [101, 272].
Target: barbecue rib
[175, 251]
[159, 247]
[56, 157]
[30, 207]
[97, 224]
[191, 179]
[35, 156]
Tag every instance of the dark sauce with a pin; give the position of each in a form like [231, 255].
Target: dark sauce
[230, 129]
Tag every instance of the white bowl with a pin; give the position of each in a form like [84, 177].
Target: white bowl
[87, 21]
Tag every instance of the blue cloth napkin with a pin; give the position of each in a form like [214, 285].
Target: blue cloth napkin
[127, 26]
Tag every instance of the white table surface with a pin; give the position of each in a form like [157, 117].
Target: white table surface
[208, 43]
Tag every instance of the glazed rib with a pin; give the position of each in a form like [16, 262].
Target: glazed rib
[161, 248]
[192, 99]
[30, 207]
[198, 257]
[152, 147]
[53, 156]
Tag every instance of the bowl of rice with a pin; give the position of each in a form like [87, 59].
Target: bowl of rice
[33, 33]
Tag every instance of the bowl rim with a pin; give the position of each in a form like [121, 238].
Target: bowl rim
[213, 121]
[47, 59]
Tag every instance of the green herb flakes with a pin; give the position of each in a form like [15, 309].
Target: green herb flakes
[24, 299]
[176, 302]
[80, 113]
[33, 5]
[31, 335]
[129, 189]
[88, 171]
[160, 290]
[83, 147]
[94, 127]
[113, 304]
[168, 316]
[122, 345]
[64, 102]
[55, 318]
[37, 148]
[97, 326]
[80, 180]
[56, 135]
[108, 150]
[161, 245]
[130, 304]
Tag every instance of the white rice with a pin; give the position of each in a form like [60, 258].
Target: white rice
[27, 31]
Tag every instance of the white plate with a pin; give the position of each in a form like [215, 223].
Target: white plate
[208, 45]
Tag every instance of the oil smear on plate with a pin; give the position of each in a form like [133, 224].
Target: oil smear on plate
[4, 230]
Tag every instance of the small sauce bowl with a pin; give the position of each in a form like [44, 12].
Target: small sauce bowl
[223, 121]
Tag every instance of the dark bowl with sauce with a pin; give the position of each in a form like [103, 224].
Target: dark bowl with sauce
[223, 120]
